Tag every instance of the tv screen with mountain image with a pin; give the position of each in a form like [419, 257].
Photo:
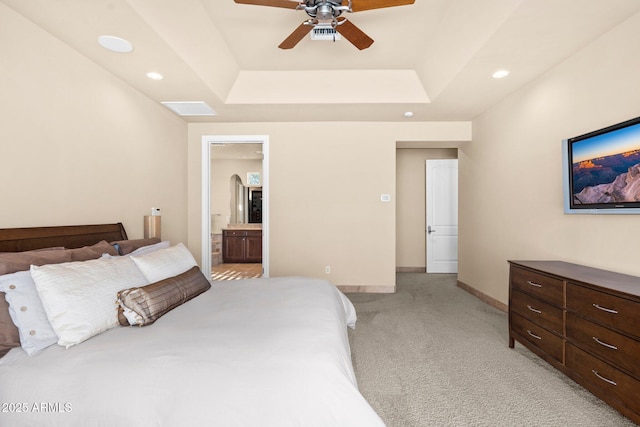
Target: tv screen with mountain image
[604, 169]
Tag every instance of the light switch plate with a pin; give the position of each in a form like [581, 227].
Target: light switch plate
[385, 197]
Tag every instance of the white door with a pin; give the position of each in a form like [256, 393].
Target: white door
[442, 216]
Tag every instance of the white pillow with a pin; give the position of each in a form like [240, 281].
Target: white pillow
[80, 297]
[144, 250]
[27, 312]
[165, 263]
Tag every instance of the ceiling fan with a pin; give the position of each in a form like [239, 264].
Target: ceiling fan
[326, 18]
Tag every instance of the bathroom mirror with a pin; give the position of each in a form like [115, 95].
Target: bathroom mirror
[245, 202]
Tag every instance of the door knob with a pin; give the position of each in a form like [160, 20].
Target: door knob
[429, 230]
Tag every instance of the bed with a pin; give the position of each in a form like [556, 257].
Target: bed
[257, 352]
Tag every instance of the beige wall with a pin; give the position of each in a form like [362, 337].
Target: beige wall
[77, 145]
[510, 175]
[411, 203]
[325, 185]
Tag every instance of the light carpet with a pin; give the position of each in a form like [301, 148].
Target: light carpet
[434, 355]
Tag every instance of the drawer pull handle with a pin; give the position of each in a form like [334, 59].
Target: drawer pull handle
[613, 347]
[608, 310]
[537, 285]
[607, 380]
[534, 335]
[533, 309]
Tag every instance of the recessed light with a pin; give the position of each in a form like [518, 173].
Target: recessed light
[500, 74]
[115, 44]
[155, 76]
[408, 114]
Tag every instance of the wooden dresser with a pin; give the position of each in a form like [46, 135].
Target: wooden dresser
[583, 321]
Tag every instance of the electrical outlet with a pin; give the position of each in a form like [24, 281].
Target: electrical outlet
[327, 269]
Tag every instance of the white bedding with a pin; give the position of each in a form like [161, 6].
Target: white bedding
[260, 352]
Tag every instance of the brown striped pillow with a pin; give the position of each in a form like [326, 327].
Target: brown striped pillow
[144, 305]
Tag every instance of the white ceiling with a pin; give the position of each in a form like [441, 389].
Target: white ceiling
[434, 57]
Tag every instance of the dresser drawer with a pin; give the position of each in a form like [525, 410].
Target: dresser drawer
[234, 233]
[544, 287]
[605, 343]
[538, 336]
[612, 382]
[537, 311]
[619, 313]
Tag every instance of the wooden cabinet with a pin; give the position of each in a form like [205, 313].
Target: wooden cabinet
[242, 246]
[583, 321]
[253, 246]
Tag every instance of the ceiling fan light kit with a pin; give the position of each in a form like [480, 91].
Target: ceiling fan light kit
[326, 21]
[325, 32]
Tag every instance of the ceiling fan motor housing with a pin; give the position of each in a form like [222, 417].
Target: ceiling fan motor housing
[325, 11]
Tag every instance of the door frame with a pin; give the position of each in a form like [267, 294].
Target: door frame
[207, 141]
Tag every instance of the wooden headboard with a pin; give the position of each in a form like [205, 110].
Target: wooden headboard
[69, 236]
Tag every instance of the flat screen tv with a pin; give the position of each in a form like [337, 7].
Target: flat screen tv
[601, 170]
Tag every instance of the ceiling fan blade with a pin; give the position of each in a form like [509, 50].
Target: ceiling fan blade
[295, 37]
[354, 34]
[274, 3]
[359, 5]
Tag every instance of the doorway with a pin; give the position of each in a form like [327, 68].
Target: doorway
[411, 253]
[243, 153]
